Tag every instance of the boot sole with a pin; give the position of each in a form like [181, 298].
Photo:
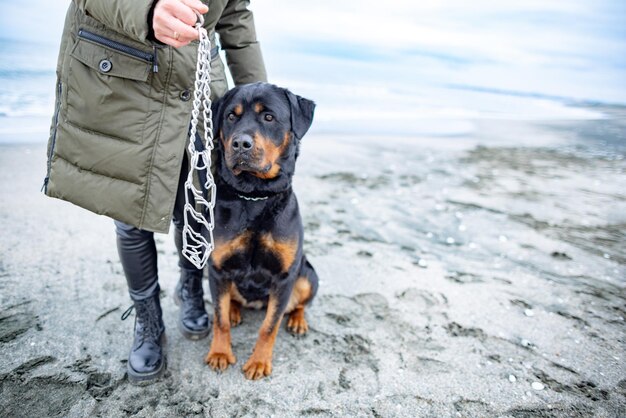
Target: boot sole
[186, 332]
[141, 379]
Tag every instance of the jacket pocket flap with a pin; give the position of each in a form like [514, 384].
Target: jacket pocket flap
[108, 61]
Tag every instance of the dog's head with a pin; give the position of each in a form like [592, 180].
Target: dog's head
[259, 127]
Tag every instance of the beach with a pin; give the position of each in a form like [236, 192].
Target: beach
[478, 274]
[463, 193]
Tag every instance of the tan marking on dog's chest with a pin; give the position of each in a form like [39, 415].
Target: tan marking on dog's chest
[225, 249]
[285, 250]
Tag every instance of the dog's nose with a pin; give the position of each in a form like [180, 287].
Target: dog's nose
[242, 142]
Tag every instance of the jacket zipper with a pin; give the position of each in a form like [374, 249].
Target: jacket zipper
[129, 50]
[44, 188]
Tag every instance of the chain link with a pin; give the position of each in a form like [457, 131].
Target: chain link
[196, 247]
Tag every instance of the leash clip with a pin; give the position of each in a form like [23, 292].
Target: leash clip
[200, 22]
[202, 33]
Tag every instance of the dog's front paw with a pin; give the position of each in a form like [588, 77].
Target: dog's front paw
[257, 368]
[220, 361]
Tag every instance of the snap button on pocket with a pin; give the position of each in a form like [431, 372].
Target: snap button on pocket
[105, 66]
[185, 95]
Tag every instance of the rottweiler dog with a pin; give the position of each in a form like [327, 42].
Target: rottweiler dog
[258, 259]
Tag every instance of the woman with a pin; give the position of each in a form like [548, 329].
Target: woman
[117, 143]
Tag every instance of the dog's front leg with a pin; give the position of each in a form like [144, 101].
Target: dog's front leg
[221, 354]
[260, 362]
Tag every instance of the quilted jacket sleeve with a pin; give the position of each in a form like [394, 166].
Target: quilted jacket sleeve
[123, 16]
[238, 39]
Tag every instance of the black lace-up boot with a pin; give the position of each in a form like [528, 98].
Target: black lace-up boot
[146, 360]
[193, 320]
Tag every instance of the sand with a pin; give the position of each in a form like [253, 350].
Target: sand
[473, 276]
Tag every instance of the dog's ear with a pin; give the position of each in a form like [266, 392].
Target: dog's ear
[301, 113]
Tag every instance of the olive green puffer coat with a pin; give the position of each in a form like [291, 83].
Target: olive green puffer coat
[120, 127]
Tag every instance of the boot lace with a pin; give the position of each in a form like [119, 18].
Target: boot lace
[150, 318]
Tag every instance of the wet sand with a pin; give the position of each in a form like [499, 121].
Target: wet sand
[472, 276]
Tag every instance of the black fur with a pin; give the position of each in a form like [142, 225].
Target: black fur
[256, 270]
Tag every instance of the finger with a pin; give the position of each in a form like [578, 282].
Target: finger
[185, 10]
[184, 13]
[176, 29]
[196, 5]
[185, 31]
[171, 41]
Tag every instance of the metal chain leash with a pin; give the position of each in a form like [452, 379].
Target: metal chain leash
[196, 247]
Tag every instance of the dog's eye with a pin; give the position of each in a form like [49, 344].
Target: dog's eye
[269, 117]
[231, 116]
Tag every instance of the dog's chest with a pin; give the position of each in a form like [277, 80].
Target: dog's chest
[252, 260]
[254, 253]
[256, 237]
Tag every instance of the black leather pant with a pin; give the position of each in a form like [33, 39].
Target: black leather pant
[138, 252]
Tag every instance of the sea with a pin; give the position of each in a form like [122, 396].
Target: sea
[415, 69]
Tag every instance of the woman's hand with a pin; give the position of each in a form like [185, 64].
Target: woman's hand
[174, 21]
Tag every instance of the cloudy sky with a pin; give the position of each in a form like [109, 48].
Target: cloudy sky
[370, 67]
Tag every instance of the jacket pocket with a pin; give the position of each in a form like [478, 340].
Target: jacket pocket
[107, 89]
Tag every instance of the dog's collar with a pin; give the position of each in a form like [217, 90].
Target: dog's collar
[230, 191]
[254, 199]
